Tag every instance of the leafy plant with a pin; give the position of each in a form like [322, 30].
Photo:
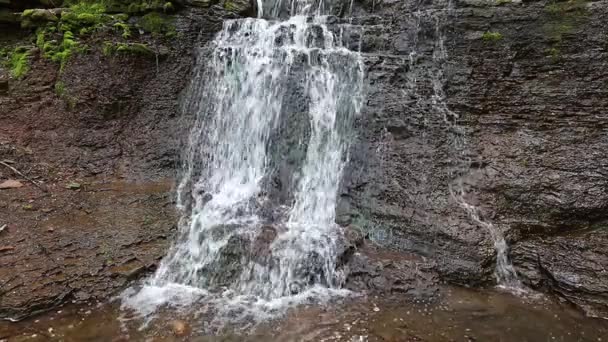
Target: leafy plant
[17, 61]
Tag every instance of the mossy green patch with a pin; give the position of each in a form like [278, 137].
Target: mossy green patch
[84, 16]
[490, 36]
[16, 60]
[563, 19]
[62, 92]
[60, 88]
[157, 24]
[19, 63]
[60, 39]
[124, 28]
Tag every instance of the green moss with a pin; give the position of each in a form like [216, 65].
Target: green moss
[16, 60]
[561, 8]
[489, 36]
[157, 24]
[168, 7]
[60, 88]
[124, 28]
[59, 40]
[554, 53]
[31, 18]
[62, 92]
[563, 19]
[20, 64]
[84, 16]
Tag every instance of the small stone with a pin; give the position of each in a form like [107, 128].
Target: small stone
[10, 184]
[179, 328]
[73, 186]
[50, 230]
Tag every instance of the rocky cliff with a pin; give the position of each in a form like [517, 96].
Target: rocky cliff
[516, 128]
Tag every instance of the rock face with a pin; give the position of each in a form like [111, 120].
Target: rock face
[503, 103]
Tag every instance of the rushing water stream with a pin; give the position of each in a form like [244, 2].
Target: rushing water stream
[230, 249]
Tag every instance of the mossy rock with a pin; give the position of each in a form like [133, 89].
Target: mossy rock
[37, 17]
[202, 3]
[238, 6]
[138, 7]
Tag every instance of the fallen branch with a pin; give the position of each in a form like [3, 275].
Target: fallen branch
[22, 175]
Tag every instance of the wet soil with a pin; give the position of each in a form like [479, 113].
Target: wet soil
[460, 315]
[79, 239]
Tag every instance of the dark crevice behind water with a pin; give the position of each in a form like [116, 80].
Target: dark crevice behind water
[231, 254]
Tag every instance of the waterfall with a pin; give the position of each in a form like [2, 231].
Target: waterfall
[505, 274]
[229, 249]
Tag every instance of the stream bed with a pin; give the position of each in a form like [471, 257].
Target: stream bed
[458, 315]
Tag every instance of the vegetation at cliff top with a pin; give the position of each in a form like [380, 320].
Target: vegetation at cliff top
[564, 18]
[61, 34]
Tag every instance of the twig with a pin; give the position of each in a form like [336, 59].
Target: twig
[3, 227]
[22, 175]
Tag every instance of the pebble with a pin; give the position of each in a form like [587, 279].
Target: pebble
[178, 328]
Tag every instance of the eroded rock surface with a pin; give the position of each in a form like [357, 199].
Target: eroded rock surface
[509, 98]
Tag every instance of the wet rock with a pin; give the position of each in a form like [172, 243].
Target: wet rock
[533, 147]
[227, 267]
[260, 247]
[574, 267]
[4, 83]
[372, 270]
[238, 6]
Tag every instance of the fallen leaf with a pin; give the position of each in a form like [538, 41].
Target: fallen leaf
[10, 184]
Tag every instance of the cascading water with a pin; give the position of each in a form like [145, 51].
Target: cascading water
[228, 248]
[505, 273]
